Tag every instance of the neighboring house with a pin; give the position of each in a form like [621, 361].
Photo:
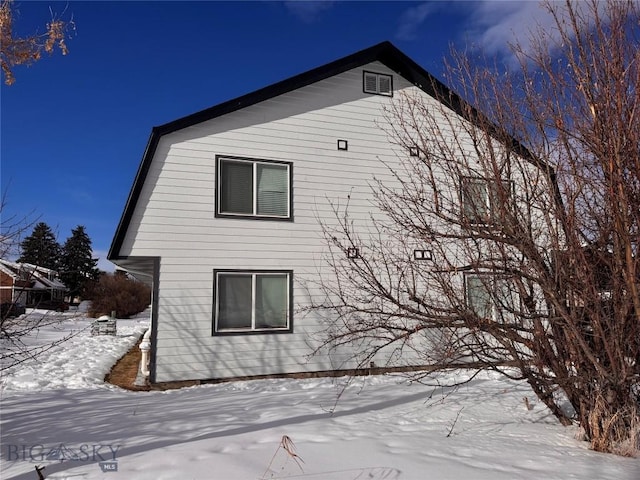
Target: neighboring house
[29, 284]
[224, 216]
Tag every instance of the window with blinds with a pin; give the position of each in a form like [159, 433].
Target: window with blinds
[253, 188]
[252, 301]
[483, 199]
[491, 297]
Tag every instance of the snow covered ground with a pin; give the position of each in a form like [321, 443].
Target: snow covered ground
[58, 413]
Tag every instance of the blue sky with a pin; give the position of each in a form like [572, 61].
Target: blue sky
[74, 128]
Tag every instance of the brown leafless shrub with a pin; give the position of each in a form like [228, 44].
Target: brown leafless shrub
[118, 293]
[531, 211]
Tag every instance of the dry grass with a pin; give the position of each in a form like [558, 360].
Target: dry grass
[124, 372]
[616, 432]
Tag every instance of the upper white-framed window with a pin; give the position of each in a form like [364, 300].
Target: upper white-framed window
[252, 301]
[490, 296]
[482, 200]
[377, 83]
[251, 188]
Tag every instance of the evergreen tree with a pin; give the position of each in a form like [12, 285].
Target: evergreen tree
[41, 248]
[78, 267]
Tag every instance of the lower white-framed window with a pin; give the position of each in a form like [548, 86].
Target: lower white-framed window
[490, 296]
[252, 301]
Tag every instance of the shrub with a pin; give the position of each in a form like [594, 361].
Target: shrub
[120, 293]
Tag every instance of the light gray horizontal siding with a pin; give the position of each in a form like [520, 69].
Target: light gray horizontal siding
[174, 220]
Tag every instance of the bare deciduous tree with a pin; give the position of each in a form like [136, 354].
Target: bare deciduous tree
[529, 214]
[27, 50]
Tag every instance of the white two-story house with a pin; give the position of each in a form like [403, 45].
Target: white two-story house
[225, 215]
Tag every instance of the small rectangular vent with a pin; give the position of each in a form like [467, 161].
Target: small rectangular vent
[422, 255]
[378, 84]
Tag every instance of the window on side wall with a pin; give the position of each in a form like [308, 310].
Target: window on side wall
[482, 199]
[248, 188]
[252, 301]
[491, 297]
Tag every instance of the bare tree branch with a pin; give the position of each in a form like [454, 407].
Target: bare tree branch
[16, 51]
